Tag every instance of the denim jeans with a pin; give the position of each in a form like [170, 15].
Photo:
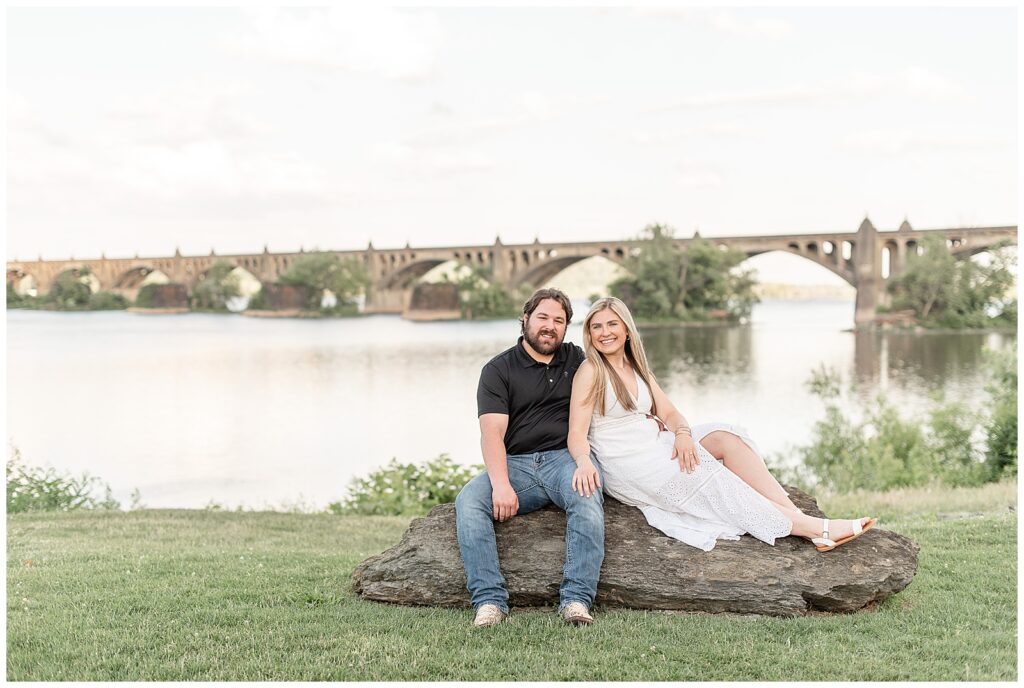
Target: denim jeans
[539, 479]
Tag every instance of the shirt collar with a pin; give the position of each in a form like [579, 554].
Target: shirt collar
[526, 360]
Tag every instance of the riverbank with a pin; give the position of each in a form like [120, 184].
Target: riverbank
[205, 595]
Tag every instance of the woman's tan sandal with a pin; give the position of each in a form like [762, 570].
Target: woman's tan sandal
[824, 544]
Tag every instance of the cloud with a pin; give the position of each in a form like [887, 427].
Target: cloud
[428, 162]
[901, 141]
[193, 110]
[160, 149]
[913, 82]
[727, 22]
[698, 174]
[368, 40]
[643, 137]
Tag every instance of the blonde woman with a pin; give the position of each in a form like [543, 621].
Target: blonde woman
[699, 484]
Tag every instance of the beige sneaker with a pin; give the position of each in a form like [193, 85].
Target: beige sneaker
[488, 615]
[577, 614]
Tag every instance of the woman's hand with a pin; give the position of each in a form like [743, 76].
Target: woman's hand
[686, 451]
[586, 481]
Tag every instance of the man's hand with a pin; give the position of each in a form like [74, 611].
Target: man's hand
[506, 502]
[586, 481]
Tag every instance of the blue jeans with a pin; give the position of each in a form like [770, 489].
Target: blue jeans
[539, 479]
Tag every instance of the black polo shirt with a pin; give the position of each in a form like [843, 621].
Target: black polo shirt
[534, 396]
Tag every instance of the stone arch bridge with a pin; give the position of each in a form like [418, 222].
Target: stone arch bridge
[860, 258]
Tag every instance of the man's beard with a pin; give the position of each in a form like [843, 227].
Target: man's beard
[541, 346]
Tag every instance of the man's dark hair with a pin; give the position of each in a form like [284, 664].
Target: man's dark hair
[531, 304]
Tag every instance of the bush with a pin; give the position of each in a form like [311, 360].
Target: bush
[1001, 430]
[69, 292]
[107, 301]
[399, 489]
[346, 279]
[146, 298]
[30, 488]
[480, 298]
[219, 286]
[883, 451]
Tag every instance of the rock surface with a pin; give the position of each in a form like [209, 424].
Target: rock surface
[645, 569]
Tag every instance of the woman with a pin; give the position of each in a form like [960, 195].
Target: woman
[618, 410]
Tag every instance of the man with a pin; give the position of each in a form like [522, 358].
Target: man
[523, 407]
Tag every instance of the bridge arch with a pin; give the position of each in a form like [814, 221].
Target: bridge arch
[23, 283]
[404, 276]
[822, 263]
[138, 275]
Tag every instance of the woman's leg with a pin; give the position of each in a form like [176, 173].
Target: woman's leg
[739, 458]
[810, 526]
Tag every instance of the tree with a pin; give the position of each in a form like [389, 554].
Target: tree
[216, 288]
[346, 279]
[480, 298]
[69, 291]
[945, 292]
[670, 283]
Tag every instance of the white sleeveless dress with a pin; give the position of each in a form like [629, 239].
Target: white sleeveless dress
[710, 504]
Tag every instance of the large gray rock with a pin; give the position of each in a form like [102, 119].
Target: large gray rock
[644, 569]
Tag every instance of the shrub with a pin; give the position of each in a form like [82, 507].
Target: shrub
[1001, 430]
[146, 298]
[345, 278]
[882, 450]
[480, 298]
[69, 292]
[398, 489]
[30, 488]
[107, 301]
[219, 286]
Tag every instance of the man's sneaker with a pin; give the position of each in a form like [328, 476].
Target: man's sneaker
[488, 615]
[576, 613]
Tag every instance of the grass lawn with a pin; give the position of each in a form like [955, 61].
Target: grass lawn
[206, 595]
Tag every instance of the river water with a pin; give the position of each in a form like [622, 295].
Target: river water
[263, 412]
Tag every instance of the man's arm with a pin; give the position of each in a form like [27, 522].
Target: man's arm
[492, 445]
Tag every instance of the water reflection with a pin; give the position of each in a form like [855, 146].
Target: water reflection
[930, 360]
[701, 352]
[197, 407]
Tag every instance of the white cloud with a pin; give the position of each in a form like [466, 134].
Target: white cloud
[724, 21]
[643, 137]
[916, 140]
[914, 82]
[374, 40]
[433, 163]
[193, 110]
[698, 174]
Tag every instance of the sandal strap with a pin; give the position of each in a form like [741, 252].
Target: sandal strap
[824, 529]
[857, 527]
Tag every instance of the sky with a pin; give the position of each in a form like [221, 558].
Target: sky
[142, 130]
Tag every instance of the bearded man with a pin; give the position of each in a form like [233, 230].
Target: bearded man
[523, 408]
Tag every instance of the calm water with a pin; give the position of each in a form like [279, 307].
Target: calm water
[260, 412]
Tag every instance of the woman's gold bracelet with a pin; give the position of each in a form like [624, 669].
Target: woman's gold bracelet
[685, 430]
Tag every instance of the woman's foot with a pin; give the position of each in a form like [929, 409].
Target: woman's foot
[838, 532]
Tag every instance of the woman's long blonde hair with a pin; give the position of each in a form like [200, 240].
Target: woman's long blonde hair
[602, 369]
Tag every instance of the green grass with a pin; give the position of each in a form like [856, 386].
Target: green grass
[196, 595]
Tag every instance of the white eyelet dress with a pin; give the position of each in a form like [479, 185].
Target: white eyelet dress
[698, 508]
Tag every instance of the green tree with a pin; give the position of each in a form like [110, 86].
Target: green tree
[667, 282]
[481, 298]
[346, 279]
[215, 289]
[69, 292]
[107, 301]
[945, 292]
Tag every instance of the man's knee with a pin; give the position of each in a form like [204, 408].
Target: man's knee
[474, 496]
[588, 508]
